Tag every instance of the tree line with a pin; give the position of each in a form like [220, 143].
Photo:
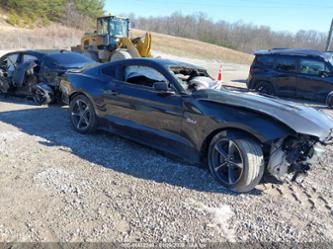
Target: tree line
[238, 35]
[241, 36]
[69, 12]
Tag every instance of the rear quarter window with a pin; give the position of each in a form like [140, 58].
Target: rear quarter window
[109, 71]
[265, 61]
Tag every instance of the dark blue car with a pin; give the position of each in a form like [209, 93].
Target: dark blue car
[293, 73]
[37, 73]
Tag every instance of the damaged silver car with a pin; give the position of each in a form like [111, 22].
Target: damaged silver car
[37, 74]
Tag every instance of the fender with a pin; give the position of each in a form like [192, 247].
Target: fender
[223, 117]
[301, 119]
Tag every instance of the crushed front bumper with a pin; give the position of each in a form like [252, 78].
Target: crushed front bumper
[295, 156]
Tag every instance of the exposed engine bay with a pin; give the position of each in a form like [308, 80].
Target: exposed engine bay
[293, 155]
[194, 79]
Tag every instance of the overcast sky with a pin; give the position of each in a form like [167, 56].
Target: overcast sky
[280, 15]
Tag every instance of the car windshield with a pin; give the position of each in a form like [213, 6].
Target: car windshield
[70, 59]
[193, 79]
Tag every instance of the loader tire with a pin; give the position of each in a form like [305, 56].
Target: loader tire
[121, 54]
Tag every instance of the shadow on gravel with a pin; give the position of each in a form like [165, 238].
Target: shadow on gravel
[52, 127]
[240, 81]
[16, 100]
[4, 98]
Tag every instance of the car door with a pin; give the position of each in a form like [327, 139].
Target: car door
[142, 113]
[11, 61]
[8, 65]
[26, 73]
[313, 85]
[285, 78]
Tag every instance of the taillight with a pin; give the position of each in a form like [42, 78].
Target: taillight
[253, 70]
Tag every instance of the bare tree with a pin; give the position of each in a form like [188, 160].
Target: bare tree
[238, 35]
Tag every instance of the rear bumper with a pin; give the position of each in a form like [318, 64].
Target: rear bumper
[249, 82]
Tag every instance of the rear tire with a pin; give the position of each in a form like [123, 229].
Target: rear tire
[82, 114]
[264, 87]
[236, 162]
[120, 54]
[329, 100]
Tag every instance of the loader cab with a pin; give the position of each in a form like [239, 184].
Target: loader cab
[113, 27]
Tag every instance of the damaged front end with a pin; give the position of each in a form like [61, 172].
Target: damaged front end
[4, 83]
[294, 155]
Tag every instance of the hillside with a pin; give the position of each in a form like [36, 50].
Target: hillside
[191, 48]
[62, 37]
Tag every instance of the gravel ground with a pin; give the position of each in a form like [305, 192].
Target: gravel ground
[58, 185]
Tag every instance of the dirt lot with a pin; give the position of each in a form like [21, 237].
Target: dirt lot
[58, 185]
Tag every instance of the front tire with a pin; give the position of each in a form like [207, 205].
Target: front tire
[236, 162]
[82, 114]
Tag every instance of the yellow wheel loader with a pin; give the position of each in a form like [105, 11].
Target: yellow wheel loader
[111, 41]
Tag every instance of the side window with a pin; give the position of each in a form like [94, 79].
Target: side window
[287, 64]
[312, 67]
[263, 60]
[142, 75]
[102, 27]
[28, 57]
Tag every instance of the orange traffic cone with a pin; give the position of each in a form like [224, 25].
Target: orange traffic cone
[219, 75]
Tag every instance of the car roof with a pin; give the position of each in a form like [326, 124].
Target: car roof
[46, 51]
[39, 52]
[163, 62]
[296, 52]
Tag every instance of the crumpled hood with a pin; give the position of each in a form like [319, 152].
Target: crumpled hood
[301, 119]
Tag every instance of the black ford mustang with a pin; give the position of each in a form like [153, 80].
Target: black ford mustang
[37, 73]
[179, 109]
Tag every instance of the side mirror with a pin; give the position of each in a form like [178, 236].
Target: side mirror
[163, 88]
[324, 74]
